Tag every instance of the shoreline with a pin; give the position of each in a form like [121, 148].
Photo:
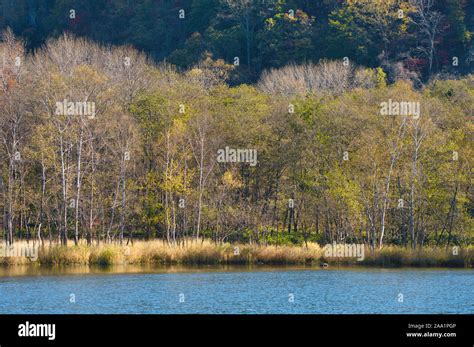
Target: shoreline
[150, 269]
[191, 253]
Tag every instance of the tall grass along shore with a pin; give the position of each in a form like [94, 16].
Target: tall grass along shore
[192, 252]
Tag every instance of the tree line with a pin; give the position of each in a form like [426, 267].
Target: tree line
[410, 38]
[101, 144]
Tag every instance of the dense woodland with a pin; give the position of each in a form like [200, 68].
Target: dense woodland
[411, 38]
[331, 166]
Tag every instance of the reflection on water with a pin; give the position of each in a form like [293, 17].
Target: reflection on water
[36, 270]
[234, 289]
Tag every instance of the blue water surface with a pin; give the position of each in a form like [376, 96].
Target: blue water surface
[243, 292]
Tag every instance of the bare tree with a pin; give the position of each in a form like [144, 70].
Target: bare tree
[200, 144]
[12, 120]
[245, 10]
[394, 155]
[428, 21]
[326, 77]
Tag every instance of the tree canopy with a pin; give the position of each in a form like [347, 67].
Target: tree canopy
[417, 37]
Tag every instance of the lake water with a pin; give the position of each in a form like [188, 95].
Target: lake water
[236, 290]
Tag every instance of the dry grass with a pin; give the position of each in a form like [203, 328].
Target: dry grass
[288, 254]
[65, 255]
[421, 257]
[209, 253]
[192, 252]
[157, 252]
[13, 261]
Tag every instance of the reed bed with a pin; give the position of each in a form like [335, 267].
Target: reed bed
[392, 256]
[193, 252]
